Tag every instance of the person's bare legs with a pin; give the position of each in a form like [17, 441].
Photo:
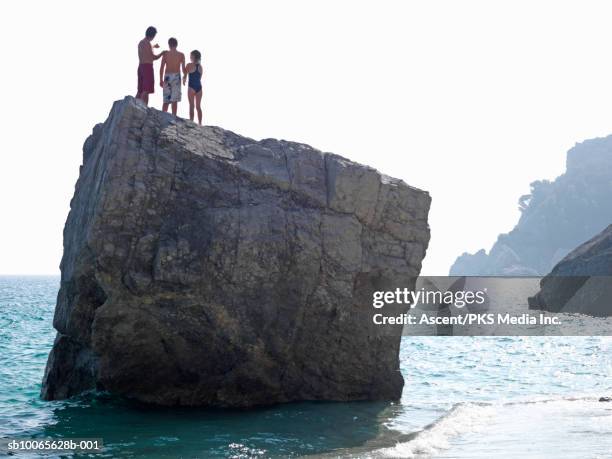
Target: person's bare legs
[144, 96]
[165, 107]
[174, 107]
[191, 98]
[198, 101]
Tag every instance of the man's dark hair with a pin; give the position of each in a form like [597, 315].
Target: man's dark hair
[151, 32]
[172, 43]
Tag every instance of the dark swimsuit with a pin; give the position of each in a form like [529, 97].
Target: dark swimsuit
[195, 79]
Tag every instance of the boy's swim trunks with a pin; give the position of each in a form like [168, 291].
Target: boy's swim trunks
[172, 87]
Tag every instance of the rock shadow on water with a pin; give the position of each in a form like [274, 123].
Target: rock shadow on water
[134, 429]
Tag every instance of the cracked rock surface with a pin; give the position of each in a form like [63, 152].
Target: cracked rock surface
[208, 269]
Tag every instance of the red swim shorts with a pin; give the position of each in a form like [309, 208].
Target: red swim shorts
[146, 81]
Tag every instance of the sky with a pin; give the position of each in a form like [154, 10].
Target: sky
[469, 100]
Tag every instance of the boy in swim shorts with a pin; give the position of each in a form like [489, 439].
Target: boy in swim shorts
[172, 64]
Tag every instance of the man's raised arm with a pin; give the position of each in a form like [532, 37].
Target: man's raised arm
[157, 56]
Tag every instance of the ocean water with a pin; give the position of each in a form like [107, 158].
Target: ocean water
[464, 397]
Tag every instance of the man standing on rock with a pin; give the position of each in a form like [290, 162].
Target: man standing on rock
[146, 79]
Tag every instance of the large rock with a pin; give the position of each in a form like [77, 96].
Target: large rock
[556, 217]
[205, 268]
[581, 282]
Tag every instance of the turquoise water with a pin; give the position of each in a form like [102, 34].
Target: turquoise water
[464, 397]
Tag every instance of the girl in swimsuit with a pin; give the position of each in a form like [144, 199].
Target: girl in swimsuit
[194, 93]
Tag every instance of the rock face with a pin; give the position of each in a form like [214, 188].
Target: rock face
[555, 217]
[581, 282]
[204, 268]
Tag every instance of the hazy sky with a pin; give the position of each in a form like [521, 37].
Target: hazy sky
[470, 100]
